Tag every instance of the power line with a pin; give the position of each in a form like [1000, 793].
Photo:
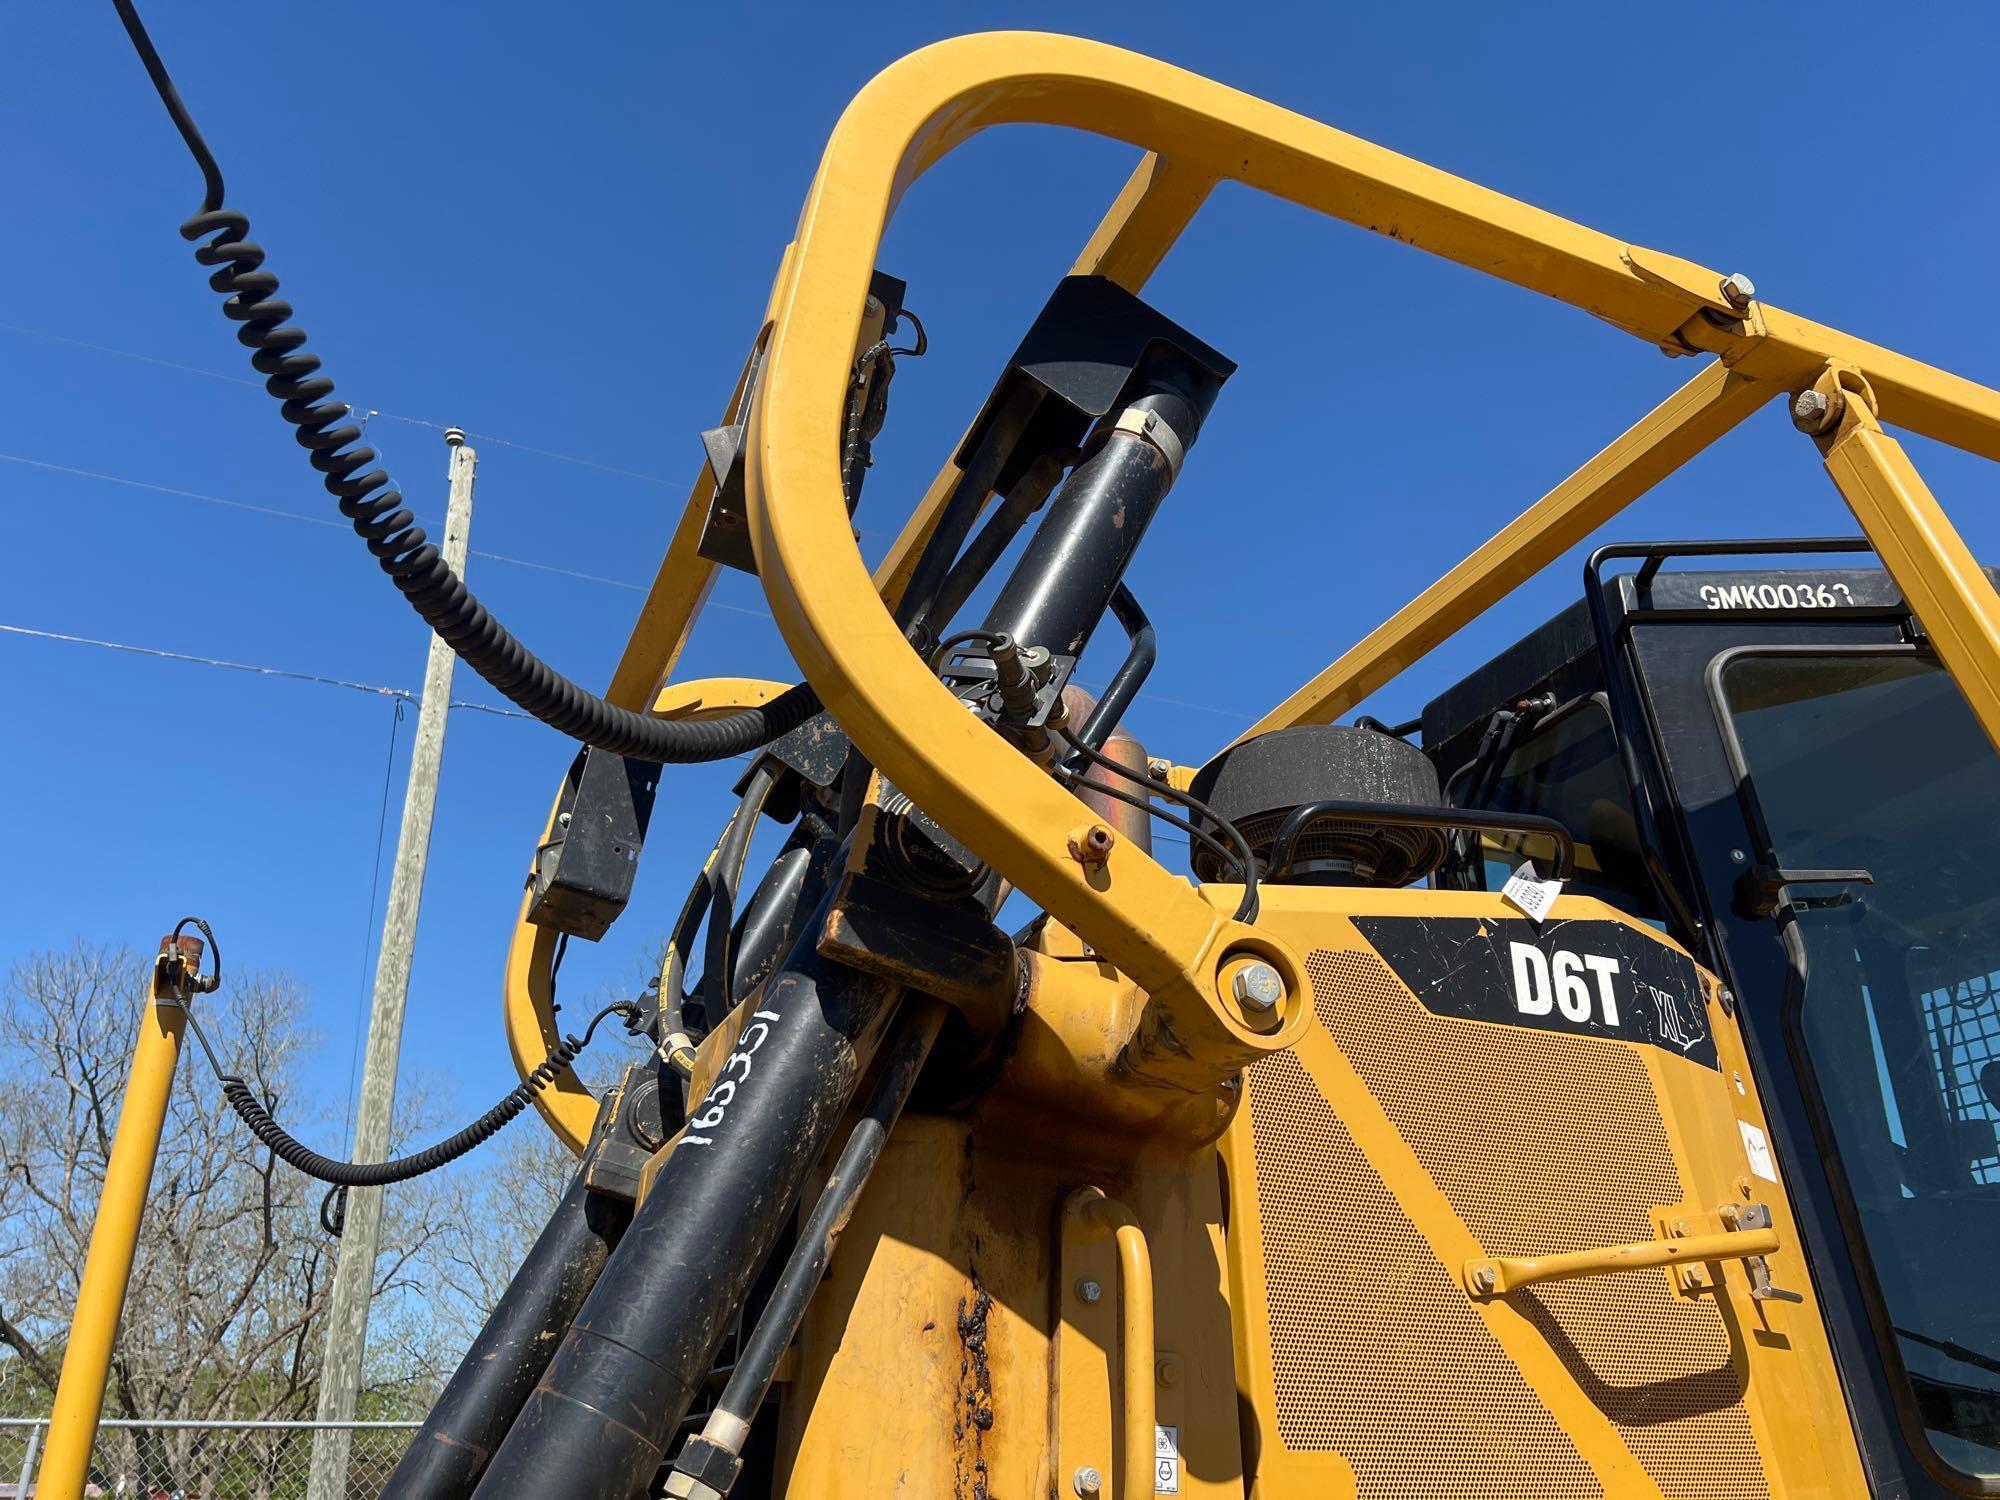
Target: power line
[400, 695]
[484, 437]
[499, 557]
[372, 689]
[163, 489]
[374, 889]
[310, 520]
[1260, 626]
[518, 562]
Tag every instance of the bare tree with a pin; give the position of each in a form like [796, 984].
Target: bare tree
[223, 1317]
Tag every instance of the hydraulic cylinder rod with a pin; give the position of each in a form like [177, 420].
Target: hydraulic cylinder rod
[599, 1422]
[493, 1380]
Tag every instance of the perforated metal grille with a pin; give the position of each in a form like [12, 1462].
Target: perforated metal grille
[1546, 1143]
[1377, 1354]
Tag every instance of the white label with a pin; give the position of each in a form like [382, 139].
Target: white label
[715, 1104]
[1758, 1149]
[1542, 983]
[1166, 1459]
[1528, 893]
[1799, 596]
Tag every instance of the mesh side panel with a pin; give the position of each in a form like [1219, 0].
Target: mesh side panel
[1378, 1355]
[1547, 1144]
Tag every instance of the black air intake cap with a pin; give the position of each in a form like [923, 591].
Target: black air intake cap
[1257, 784]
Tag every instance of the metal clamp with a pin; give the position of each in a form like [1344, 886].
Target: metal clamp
[1142, 423]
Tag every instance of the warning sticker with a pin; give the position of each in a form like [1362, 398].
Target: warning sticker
[1166, 1460]
[1758, 1149]
[1526, 891]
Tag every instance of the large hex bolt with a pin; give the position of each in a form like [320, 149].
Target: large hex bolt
[1738, 290]
[1258, 988]
[1814, 411]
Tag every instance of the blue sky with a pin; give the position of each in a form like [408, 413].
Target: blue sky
[557, 229]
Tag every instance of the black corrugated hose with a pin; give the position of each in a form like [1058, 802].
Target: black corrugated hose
[359, 1174]
[347, 1174]
[376, 509]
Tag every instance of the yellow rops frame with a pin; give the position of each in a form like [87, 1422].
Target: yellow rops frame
[836, 619]
[1196, 133]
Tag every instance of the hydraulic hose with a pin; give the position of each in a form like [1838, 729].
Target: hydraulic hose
[356, 1174]
[376, 510]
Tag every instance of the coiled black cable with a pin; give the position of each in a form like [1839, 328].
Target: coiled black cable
[376, 510]
[354, 1174]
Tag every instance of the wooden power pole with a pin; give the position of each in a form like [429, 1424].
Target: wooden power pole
[354, 1273]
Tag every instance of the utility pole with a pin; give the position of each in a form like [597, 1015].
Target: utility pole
[354, 1272]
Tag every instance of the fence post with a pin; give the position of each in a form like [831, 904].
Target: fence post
[28, 1460]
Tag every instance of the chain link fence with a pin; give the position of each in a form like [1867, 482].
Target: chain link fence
[206, 1460]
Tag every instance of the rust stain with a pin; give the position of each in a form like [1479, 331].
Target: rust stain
[972, 1416]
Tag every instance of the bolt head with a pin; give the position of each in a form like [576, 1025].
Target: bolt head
[1485, 1278]
[1811, 411]
[1088, 1481]
[1159, 769]
[1088, 1290]
[1738, 290]
[1257, 987]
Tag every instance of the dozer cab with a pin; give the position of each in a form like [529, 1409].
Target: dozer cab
[1587, 1089]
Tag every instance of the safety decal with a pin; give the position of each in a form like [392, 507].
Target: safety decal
[1588, 977]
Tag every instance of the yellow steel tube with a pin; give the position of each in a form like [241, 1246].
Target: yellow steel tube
[1942, 582]
[114, 1239]
[1665, 438]
[1785, 349]
[1135, 1339]
[1511, 1272]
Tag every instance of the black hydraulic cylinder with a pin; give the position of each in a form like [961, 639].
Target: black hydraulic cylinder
[598, 1424]
[779, 1325]
[1064, 582]
[903, 1057]
[771, 921]
[451, 1452]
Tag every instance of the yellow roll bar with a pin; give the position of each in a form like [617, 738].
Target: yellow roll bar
[1197, 133]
